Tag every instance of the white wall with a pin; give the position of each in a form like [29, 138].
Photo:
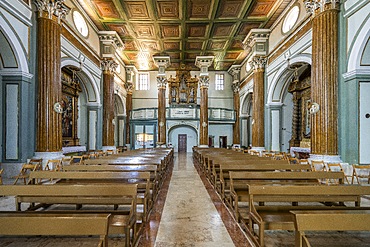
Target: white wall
[192, 137]
[218, 130]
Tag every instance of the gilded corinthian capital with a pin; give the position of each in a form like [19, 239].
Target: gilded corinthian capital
[52, 7]
[313, 6]
[108, 65]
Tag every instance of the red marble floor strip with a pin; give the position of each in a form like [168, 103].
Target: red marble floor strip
[149, 233]
[236, 233]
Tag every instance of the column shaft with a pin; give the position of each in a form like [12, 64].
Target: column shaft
[162, 115]
[49, 122]
[236, 129]
[203, 116]
[128, 119]
[258, 135]
[324, 133]
[108, 108]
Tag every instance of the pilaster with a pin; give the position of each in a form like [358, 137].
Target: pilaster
[235, 72]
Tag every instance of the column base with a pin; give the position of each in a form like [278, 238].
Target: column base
[203, 146]
[45, 156]
[326, 158]
[105, 148]
[258, 149]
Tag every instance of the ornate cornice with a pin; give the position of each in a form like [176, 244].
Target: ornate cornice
[161, 82]
[108, 65]
[258, 62]
[318, 6]
[204, 81]
[52, 7]
[111, 37]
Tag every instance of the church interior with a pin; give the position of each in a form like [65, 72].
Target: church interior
[184, 123]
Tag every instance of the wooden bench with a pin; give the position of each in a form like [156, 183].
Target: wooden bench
[93, 194]
[142, 179]
[326, 220]
[240, 182]
[154, 175]
[223, 186]
[26, 224]
[275, 213]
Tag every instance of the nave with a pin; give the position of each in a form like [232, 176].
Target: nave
[188, 212]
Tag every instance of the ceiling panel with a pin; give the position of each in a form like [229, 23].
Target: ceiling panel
[183, 29]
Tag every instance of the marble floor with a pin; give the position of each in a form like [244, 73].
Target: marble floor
[188, 213]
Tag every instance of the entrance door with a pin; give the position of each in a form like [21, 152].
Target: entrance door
[223, 141]
[182, 143]
[364, 122]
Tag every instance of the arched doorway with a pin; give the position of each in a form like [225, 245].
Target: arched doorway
[179, 134]
[17, 120]
[119, 121]
[246, 112]
[88, 105]
[287, 101]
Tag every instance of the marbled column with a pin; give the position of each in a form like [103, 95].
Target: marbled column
[129, 89]
[295, 140]
[203, 124]
[49, 122]
[236, 127]
[324, 74]
[161, 84]
[258, 127]
[108, 67]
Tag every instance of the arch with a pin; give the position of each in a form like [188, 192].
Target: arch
[278, 86]
[246, 104]
[191, 141]
[119, 105]
[89, 85]
[18, 49]
[358, 47]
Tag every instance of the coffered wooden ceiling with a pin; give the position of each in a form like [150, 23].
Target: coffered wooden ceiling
[183, 29]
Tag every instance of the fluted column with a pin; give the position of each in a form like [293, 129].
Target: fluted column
[161, 84]
[258, 128]
[108, 67]
[49, 121]
[204, 84]
[324, 74]
[235, 72]
[129, 89]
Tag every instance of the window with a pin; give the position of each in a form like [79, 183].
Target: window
[143, 82]
[80, 23]
[219, 81]
[290, 19]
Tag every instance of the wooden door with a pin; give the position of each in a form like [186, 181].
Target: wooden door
[182, 143]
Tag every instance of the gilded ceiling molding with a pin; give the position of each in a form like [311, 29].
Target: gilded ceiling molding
[108, 65]
[318, 6]
[52, 7]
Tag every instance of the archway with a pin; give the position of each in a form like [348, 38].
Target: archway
[183, 129]
[119, 120]
[246, 111]
[283, 108]
[88, 104]
[17, 97]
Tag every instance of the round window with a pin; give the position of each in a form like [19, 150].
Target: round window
[290, 19]
[80, 23]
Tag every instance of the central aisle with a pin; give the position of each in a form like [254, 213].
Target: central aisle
[189, 217]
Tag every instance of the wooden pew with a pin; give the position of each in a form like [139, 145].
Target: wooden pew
[275, 215]
[215, 167]
[94, 194]
[326, 220]
[142, 179]
[154, 175]
[26, 224]
[223, 186]
[240, 182]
